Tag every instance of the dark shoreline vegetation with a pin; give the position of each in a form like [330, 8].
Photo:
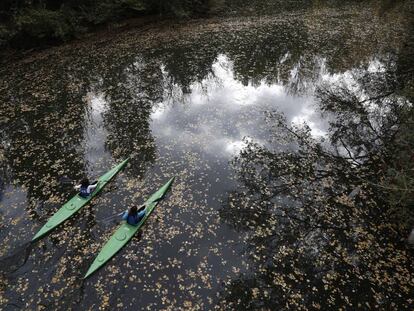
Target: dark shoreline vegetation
[33, 23]
[27, 24]
[323, 221]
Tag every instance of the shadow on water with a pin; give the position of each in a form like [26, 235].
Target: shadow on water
[18, 259]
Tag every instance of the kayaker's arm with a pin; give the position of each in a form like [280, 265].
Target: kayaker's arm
[77, 187]
[125, 215]
[91, 188]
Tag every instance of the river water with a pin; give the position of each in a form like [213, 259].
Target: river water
[196, 100]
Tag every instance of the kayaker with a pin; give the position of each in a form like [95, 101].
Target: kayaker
[134, 215]
[86, 188]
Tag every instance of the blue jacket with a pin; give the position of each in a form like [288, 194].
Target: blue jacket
[83, 192]
[133, 220]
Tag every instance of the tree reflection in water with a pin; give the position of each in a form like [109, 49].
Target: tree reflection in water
[317, 212]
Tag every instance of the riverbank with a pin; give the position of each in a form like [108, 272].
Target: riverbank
[97, 34]
[27, 24]
[27, 27]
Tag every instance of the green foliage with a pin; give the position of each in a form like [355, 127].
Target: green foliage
[42, 23]
[30, 23]
[179, 8]
[104, 11]
[5, 35]
[136, 5]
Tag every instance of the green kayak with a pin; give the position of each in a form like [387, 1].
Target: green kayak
[125, 232]
[77, 202]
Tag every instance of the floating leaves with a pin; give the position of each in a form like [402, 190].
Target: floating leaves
[260, 215]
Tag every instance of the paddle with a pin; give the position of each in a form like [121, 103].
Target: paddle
[110, 217]
[119, 214]
[64, 180]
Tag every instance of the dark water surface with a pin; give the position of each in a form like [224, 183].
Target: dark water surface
[182, 101]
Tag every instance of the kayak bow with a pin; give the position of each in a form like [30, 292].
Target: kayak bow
[126, 231]
[77, 202]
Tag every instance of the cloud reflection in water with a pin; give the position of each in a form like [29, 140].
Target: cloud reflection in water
[220, 111]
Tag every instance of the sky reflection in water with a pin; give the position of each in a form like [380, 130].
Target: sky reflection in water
[220, 111]
[95, 132]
